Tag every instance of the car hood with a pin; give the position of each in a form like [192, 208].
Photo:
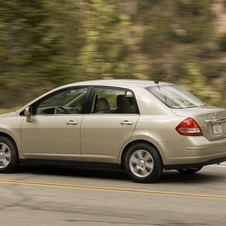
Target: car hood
[6, 114]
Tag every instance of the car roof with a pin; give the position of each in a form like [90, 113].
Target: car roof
[119, 83]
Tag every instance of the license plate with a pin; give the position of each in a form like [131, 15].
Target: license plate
[217, 129]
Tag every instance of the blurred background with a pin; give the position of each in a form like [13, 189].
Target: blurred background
[44, 44]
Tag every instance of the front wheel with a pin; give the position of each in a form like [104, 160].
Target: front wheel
[8, 155]
[143, 163]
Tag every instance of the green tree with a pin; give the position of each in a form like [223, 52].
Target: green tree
[194, 81]
[27, 48]
[44, 44]
[104, 49]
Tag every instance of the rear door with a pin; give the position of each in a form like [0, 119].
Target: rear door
[109, 125]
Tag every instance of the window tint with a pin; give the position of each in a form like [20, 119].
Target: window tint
[109, 100]
[175, 97]
[69, 101]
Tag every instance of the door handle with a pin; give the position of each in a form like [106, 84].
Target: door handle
[71, 122]
[126, 122]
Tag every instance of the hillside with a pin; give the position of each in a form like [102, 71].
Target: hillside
[49, 43]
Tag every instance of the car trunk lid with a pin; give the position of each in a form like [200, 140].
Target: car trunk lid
[211, 120]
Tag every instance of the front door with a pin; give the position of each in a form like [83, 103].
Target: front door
[53, 130]
[52, 137]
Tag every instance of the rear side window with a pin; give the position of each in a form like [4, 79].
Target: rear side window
[174, 97]
[113, 100]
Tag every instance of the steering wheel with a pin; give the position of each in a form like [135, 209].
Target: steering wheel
[60, 110]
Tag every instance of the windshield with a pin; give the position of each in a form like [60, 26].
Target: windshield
[175, 97]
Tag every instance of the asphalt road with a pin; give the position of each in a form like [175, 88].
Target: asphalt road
[65, 196]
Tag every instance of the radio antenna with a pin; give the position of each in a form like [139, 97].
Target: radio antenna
[157, 81]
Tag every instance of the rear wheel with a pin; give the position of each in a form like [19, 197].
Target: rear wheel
[8, 155]
[143, 163]
[189, 170]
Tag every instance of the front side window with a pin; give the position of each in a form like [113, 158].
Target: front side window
[175, 97]
[67, 101]
[110, 100]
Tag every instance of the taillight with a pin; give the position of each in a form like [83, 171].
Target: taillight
[189, 127]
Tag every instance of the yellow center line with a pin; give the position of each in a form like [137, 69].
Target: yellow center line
[113, 189]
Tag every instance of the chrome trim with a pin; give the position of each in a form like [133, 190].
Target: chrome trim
[126, 122]
[216, 120]
[71, 122]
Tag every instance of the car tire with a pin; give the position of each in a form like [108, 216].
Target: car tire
[8, 155]
[189, 170]
[143, 163]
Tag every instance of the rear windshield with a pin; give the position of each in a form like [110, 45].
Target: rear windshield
[174, 97]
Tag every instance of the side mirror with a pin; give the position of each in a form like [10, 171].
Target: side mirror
[28, 114]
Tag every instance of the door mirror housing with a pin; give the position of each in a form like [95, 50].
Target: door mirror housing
[28, 114]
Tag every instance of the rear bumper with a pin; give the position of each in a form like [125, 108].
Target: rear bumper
[195, 165]
[193, 152]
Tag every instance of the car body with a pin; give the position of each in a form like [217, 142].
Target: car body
[141, 126]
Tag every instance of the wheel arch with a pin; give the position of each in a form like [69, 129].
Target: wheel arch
[9, 154]
[126, 148]
[2, 134]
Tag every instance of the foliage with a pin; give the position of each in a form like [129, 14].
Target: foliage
[27, 48]
[44, 44]
[195, 82]
[222, 42]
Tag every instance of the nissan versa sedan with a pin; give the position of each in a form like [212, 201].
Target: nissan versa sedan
[144, 127]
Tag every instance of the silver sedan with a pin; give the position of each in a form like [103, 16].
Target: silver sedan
[144, 127]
